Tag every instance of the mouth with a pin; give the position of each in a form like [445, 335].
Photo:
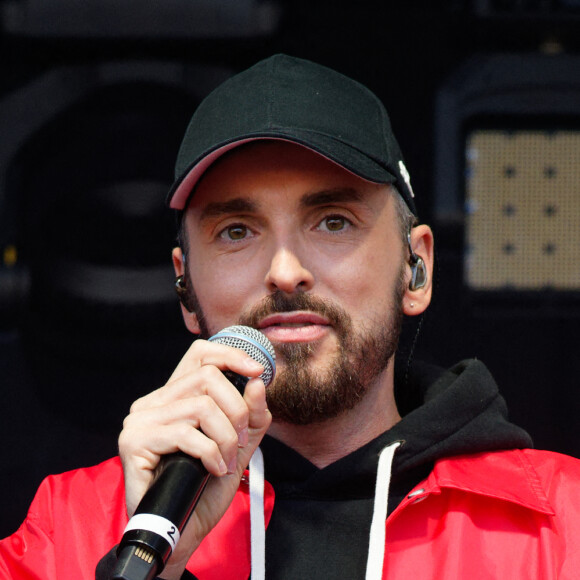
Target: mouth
[294, 326]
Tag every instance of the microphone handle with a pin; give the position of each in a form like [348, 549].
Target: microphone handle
[144, 550]
[163, 513]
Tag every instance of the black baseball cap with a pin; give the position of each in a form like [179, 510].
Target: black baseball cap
[291, 99]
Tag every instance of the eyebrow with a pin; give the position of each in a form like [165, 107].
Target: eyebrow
[244, 205]
[330, 196]
[236, 205]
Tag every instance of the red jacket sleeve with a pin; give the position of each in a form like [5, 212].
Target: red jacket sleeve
[78, 516]
[74, 519]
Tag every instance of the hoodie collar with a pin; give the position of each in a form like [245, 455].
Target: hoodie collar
[461, 412]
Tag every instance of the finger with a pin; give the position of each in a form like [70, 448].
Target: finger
[259, 420]
[140, 468]
[177, 425]
[195, 362]
[203, 352]
[207, 380]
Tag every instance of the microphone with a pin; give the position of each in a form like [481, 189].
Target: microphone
[154, 530]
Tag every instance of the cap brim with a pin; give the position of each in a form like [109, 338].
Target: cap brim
[331, 149]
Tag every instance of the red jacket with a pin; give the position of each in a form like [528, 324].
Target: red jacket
[506, 514]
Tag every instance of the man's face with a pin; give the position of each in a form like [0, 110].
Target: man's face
[285, 241]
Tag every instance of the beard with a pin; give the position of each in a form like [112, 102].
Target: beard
[301, 395]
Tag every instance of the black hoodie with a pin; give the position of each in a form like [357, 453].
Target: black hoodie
[321, 519]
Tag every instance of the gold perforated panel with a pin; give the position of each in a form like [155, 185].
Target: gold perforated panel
[523, 210]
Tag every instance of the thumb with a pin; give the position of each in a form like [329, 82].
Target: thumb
[259, 420]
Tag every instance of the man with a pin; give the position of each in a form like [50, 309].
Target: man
[297, 218]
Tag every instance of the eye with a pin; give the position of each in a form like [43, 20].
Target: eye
[334, 223]
[235, 232]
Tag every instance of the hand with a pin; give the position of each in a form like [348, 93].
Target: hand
[202, 414]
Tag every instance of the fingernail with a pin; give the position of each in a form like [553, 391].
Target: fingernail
[233, 465]
[223, 468]
[243, 437]
[253, 364]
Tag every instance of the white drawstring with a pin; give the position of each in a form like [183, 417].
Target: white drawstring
[257, 521]
[377, 534]
[376, 555]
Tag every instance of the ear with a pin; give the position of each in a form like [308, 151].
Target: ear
[416, 301]
[190, 318]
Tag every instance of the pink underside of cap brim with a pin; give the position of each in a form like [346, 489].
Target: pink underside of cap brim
[182, 193]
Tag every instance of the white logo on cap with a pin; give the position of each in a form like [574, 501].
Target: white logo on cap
[406, 177]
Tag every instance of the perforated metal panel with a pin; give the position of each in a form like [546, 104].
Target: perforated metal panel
[523, 210]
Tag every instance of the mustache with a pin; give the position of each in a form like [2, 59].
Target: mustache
[279, 302]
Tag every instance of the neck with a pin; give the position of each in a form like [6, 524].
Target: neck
[325, 442]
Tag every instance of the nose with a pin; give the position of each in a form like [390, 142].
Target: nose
[287, 273]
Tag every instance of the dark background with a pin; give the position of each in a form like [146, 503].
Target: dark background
[92, 109]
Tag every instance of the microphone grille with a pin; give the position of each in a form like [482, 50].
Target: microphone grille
[254, 343]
